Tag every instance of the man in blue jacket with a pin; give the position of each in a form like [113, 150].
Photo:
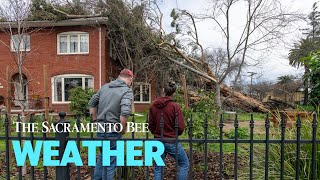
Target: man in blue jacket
[111, 105]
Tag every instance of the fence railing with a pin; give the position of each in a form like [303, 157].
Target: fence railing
[63, 172]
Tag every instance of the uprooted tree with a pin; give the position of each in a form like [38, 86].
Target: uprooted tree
[266, 22]
[140, 42]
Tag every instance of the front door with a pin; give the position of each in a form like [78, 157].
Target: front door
[20, 90]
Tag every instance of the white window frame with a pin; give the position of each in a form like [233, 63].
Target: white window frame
[22, 45]
[141, 94]
[83, 76]
[68, 34]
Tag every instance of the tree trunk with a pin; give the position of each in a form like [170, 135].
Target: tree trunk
[218, 96]
[241, 101]
[23, 120]
[236, 99]
[306, 85]
[219, 104]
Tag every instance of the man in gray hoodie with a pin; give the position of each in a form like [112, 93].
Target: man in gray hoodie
[111, 105]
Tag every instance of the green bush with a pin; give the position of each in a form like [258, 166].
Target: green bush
[200, 110]
[243, 133]
[79, 100]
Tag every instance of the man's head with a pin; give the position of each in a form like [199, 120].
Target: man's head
[170, 88]
[127, 76]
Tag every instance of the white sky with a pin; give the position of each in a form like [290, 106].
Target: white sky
[275, 62]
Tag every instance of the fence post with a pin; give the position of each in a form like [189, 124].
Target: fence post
[6, 124]
[298, 125]
[314, 147]
[283, 127]
[266, 166]
[206, 148]
[236, 136]
[62, 172]
[221, 147]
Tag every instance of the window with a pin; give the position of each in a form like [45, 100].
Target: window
[62, 84]
[20, 42]
[142, 92]
[73, 43]
[111, 49]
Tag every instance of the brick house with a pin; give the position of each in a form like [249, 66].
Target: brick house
[76, 53]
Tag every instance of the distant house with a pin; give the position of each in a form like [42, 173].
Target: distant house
[296, 97]
[76, 53]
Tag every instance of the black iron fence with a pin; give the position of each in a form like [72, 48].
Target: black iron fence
[63, 172]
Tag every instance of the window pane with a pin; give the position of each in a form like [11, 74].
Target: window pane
[136, 92]
[63, 40]
[73, 43]
[88, 83]
[15, 42]
[70, 83]
[57, 90]
[23, 42]
[26, 42]
[145, 92]
[83, 43]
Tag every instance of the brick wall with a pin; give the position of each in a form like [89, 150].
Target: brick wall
[43, 51]
[43, 44]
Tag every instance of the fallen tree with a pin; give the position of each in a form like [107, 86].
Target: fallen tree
[233, 98]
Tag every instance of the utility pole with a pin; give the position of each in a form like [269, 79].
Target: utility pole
[251, 75]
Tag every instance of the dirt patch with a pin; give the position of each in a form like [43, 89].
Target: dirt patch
[259, 126]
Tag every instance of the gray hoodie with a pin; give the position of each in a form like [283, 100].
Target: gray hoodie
[112, 100]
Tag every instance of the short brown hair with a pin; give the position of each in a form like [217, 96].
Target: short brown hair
[170, 88]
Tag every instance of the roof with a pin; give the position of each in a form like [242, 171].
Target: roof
[68, 22]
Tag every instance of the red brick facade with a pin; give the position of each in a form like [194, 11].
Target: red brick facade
[43, 51]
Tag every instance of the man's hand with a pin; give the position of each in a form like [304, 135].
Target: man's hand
[93, 113]
[123, 121]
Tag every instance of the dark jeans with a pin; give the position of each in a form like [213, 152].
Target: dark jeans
[106, 172]
[183, 161]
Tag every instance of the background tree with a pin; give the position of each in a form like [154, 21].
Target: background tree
[218, 62]
[305, 46]
[287, 86]
[313, 61]
[283, 81]
[265, 24]
[260, 89]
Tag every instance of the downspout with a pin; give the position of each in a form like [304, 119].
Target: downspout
[100, 58]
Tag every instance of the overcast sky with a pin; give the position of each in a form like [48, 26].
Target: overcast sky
[275, 62]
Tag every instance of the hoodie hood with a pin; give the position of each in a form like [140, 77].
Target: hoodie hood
[117, 83]
[162, 102]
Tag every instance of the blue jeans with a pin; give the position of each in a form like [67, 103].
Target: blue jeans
[183, 161]
[106, 172]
